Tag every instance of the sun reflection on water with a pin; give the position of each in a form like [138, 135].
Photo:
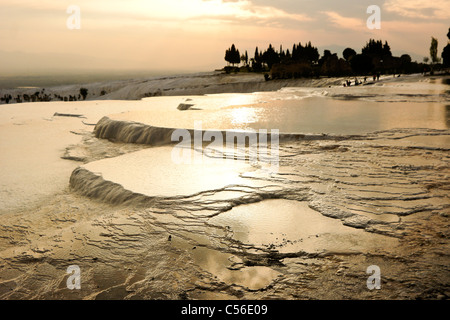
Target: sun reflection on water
[242, 117]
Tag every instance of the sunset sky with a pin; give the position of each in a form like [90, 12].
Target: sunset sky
[194, 34]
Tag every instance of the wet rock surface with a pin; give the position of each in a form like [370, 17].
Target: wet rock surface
[333, 209]
[139, 226]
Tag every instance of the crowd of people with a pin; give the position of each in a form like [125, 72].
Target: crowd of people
[357, 82]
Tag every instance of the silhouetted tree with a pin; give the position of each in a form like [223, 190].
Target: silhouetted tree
[228, 56]
[244, 58]
[348, 53]
[332, 66]
[376, 48]
[270, 57]
[326, 54]
[446, 56]
[406, 58]
[288, 54]
[257, 61]
[446, 52]
[256, 54]
[282, 54]
[361, 64]
[291, 70]
[312, 53]
[386, 50]
[405, 61]
[306, 53]
[434, 50]
[232, 55]
[84, 92]
[305, 61]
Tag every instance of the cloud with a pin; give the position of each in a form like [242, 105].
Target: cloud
[245, 10]
[345, 22]
[140, 32]
[185, 14]
[422, 9]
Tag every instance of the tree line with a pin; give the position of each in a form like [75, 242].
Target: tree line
[305, 61]
[42, 96]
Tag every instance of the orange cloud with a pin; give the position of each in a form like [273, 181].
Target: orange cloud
[423, 9]
[345, 22]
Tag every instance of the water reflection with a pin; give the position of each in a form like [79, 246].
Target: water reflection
[404, 103]
[243, 117]
[321, 115]
[295, 228]
[229, 268]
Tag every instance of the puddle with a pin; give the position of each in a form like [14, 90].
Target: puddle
[228, 268]
[292, 226]
[144, 171]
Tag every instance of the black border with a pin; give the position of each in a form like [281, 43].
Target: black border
[277, 309]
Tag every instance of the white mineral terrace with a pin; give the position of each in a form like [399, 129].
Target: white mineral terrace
[361, 178]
